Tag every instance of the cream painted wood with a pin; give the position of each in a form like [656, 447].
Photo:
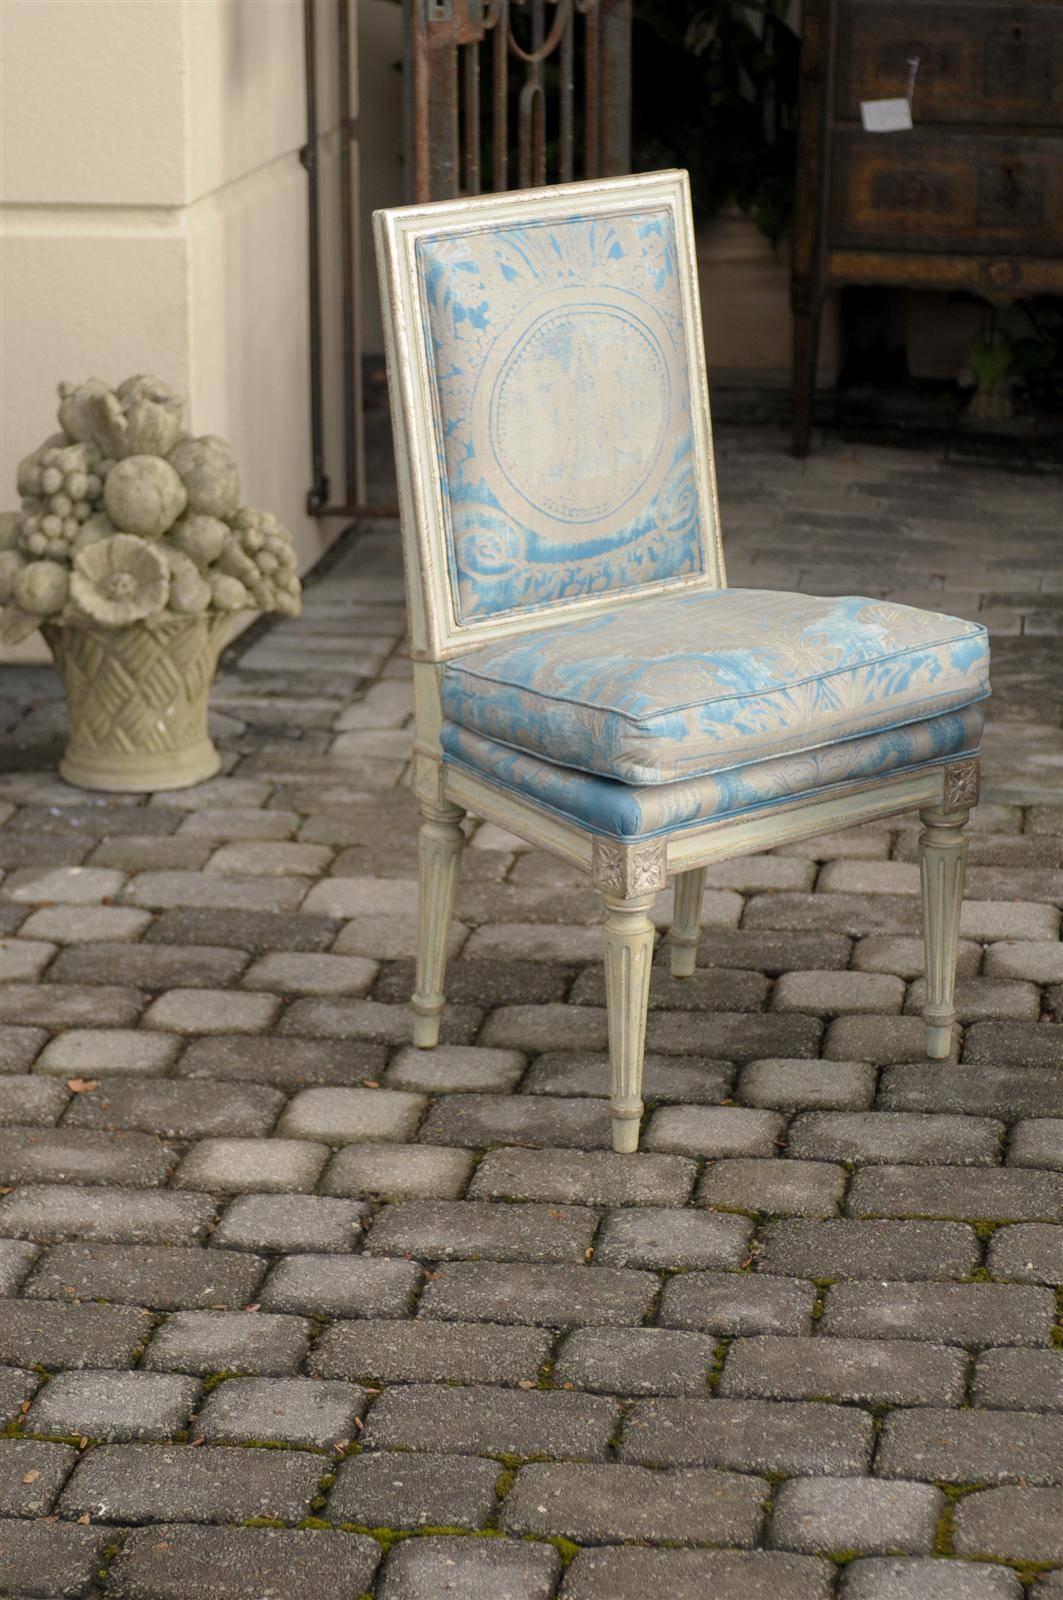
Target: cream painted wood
[441, 843]
[629, 935]
[626, 874]
[686, 921]
[942, 865]
[436, 632]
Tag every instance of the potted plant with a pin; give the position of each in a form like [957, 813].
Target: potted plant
[133, 555]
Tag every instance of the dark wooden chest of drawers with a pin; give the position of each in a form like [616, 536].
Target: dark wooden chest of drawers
[971, 197]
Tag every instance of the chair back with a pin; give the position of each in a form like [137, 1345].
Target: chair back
[549, 405]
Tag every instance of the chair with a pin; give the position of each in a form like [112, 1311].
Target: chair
[582, 675]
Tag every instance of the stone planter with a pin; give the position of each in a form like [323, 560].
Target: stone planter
[137, 701]
[744, 284]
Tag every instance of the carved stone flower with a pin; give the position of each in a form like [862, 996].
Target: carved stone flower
[120, 580]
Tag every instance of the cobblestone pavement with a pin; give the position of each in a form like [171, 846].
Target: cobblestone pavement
[297, 1310]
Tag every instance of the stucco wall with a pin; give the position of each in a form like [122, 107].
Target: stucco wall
[154, 219]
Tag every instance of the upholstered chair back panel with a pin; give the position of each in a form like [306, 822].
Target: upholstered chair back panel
[565, 427]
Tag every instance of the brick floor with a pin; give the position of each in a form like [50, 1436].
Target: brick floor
[270, 1263]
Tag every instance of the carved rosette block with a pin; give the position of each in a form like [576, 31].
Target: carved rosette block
[629, 936]
[441, 841]
[963, 781]
[621, 870]
[942, 865]
[137, 701]
[686, 921]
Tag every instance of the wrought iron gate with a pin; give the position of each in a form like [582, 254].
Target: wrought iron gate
[498, 94]
[503, 95]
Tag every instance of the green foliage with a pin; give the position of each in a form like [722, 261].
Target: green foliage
[715, 90]
[990, 360]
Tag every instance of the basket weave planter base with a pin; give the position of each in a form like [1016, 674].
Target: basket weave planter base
[137, 702]
[141, 774]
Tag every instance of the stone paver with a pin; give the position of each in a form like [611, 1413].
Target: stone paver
[872, 1371]
[124, 1483]
[229, 1166]
[165, 1278]
[110, 1052]
[661, 1237]
[444, 1230]
[384, 1351]
[51, 1213]
[32, 1472]
[298, 1411]
[342, 1286]
[493, 1421]
[604, 1505]
[46, 1333]
[557, 1296]
[611, 1573]
[234, 1563]
[241, 1206]
[290, 1222]
[472, 1569]
[42, 1560]
[917, 1578]
[749, 1436]
[735, 1303]
[774, 1188]
[250, 1343]
[843, 1248]
[352, 1116]
[958, 1313]
[635, 1361]
[392, 1489]
[399, 1171]
[81, 1155]
[1019, 1380]
[113, 1405]
[971, 1446]
[818, 1515]
[1011, 1524]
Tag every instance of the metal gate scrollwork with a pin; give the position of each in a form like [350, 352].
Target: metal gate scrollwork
[511, 93]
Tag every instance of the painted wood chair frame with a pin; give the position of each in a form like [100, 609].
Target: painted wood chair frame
[627, 875]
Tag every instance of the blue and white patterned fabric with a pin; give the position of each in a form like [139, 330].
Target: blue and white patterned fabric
[562, 409]
[629, 812]
[681, 686]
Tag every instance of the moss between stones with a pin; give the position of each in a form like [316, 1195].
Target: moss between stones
[504, 1482]
[943, 1545]
[388, 1538]
[566, 1549]
[716, 1368]
[213, 1379]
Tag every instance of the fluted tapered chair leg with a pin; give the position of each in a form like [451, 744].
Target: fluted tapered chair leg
[441, 840]
[942, 864]
[686, 921]
[629, 935]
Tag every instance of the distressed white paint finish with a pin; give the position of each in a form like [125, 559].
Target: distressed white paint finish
[627, 875]
[440, 846]
[628, 935]
[942, 865]
[435, 629]
[686, 921]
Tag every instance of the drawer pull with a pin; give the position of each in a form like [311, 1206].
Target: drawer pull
[1002, 273]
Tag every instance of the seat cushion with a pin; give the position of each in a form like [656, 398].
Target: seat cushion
[660, 690]
[630, 811]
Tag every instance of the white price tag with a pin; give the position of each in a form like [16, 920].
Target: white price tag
[886, 116]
